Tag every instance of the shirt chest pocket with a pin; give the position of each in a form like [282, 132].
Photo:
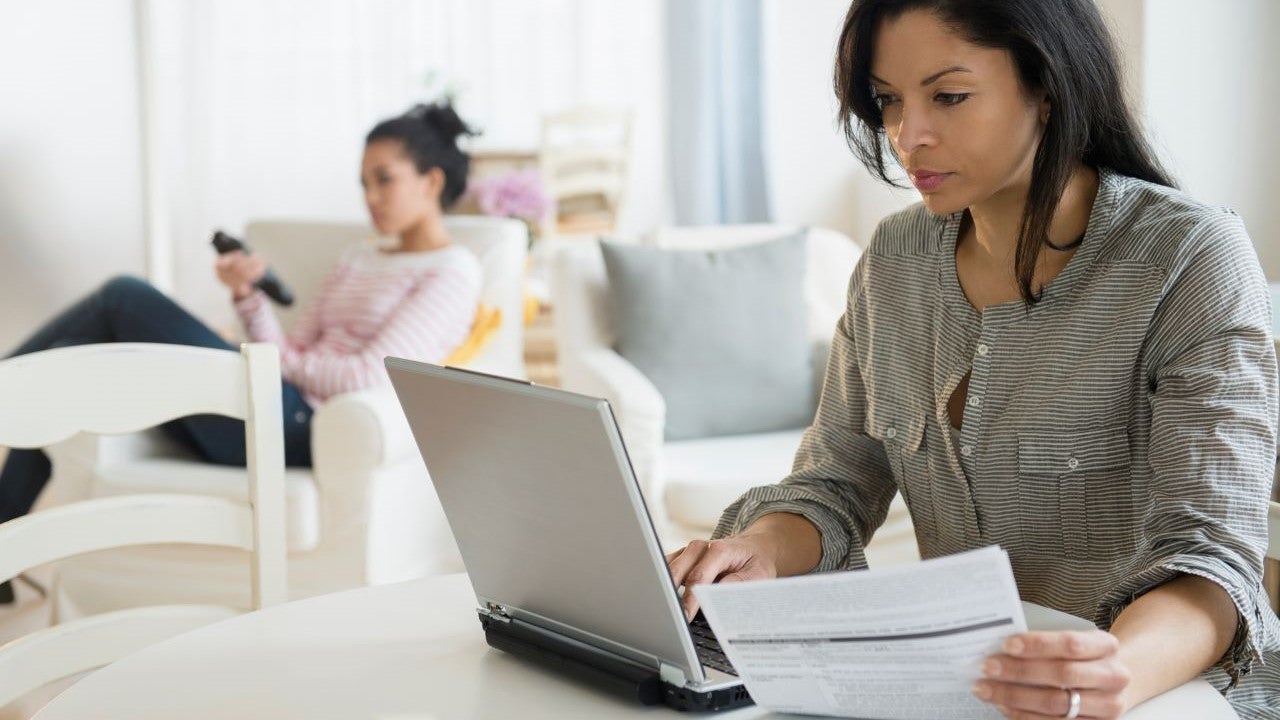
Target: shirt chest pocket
[1075, 493]
[902, 432]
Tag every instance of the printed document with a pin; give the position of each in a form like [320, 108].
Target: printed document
[899, 643]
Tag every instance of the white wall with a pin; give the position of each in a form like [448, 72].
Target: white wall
[70, 192]
[1125, 18]
[814, 177]
[1212, 96]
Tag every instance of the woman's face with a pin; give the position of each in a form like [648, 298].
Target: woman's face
[397, 195]
[955, 113]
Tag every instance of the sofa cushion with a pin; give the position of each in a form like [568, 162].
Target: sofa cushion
[706, 476]
[703, 477]
[156, 475]
[722, 334]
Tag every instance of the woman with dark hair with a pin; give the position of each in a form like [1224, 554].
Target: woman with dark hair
[1056, 352]
[415, 298]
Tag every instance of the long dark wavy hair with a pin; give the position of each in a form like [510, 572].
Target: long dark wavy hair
[1060, 47]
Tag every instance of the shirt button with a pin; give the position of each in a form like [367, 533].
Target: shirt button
[983, 349]
[974, 401]
[300, 417]
[1073, 463]
[966, 450]
[891, 433]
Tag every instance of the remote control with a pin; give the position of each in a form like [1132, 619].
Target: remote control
[268, 283]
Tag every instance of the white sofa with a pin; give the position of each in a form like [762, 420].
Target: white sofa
[688, 483]
[364, 513]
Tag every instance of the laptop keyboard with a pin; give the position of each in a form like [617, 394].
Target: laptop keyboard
[708, 646]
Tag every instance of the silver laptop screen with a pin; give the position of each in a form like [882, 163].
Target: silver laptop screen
[544, 506]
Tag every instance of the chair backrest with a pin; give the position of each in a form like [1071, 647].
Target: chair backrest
[121, 388]
[304, 252]
[579, 283]
[584, 157]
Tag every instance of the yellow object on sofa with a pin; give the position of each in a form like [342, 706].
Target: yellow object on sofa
[488, 320]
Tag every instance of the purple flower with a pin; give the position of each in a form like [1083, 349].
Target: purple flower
[516, 194]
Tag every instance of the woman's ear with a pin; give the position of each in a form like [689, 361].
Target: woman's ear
[433, 182]
[1045, 107]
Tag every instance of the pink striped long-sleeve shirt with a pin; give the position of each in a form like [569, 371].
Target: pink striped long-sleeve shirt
[417, 305]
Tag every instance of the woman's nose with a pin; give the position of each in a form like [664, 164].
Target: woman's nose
[914, 129]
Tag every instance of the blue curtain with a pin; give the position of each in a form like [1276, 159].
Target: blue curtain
[715, 111]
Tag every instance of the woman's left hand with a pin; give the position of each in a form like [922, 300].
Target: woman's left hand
[1036, 675]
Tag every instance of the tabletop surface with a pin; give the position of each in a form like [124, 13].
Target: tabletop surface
[410, 651]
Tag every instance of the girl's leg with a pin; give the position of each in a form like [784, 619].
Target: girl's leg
[24, 475]
[221, 439]
[124, 309]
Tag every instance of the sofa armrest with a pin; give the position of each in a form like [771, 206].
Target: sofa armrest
[353, 436]
[821, 346]
[365, 426]
[638, 406]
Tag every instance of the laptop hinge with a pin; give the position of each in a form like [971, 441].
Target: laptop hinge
[672, 675]
[497, 612]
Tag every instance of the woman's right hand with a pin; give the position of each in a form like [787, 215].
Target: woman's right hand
[776, 544]
[239, 272]
[732, 559]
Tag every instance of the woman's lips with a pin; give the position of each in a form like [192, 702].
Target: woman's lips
[926, 181]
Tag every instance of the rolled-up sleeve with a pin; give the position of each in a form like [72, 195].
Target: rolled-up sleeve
[841, 480]
[1212, 374]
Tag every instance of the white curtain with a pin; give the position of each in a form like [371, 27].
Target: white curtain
[716, 100]
[258, 108]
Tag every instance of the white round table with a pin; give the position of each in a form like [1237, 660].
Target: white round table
[411, 651]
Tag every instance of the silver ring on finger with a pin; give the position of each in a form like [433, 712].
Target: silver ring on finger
[1073, 703]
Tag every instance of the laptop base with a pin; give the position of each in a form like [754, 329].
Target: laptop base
[617, 676]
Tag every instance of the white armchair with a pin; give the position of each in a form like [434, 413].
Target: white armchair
[365, 512]
[688, 483]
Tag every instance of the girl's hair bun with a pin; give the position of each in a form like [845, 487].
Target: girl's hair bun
[443, 119]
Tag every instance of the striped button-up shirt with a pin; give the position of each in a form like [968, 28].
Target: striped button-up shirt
[1117, 433]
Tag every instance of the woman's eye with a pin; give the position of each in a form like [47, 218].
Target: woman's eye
[884, 99]
[951, 98]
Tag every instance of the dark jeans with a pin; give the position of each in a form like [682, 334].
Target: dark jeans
[127, 309]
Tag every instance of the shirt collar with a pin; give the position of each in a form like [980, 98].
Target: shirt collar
[1098, 228]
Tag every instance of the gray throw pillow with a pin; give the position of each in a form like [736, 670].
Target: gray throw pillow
[722, 334]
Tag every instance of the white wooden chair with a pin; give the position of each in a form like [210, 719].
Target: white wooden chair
[50, 396]
[585, 159]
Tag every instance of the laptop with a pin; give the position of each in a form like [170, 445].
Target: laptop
[555, 536]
